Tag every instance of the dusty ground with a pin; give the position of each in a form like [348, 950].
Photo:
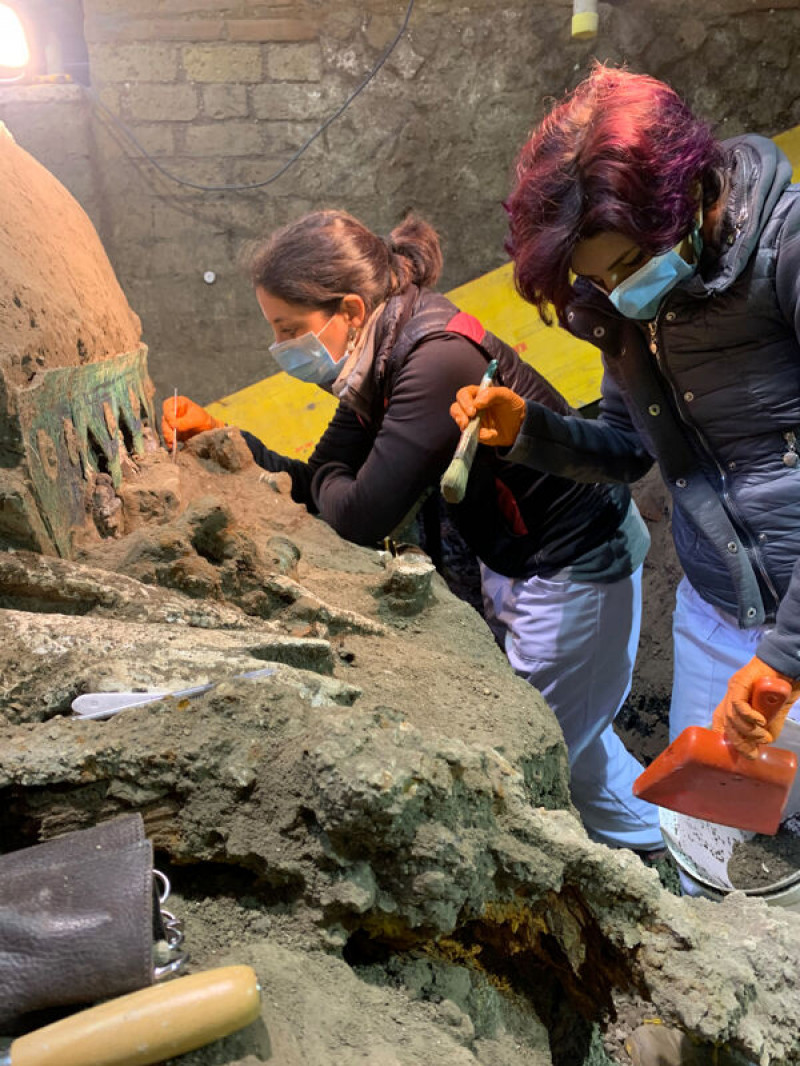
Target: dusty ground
[388, 808]
[764, 860]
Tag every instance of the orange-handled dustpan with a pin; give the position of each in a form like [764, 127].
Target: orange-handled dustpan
[702, 775]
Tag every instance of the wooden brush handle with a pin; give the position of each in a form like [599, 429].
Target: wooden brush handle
[454, 479]
[453, 483]
[148, 1026]
[468, 442]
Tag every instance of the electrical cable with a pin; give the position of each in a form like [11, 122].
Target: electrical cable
[291, 160]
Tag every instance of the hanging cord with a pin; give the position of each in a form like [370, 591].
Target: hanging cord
[290, 161]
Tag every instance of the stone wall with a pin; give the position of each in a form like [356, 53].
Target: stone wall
[224, 91]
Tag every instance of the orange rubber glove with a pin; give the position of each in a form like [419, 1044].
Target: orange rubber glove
[743, 726]
[502, 412]
[184, 418]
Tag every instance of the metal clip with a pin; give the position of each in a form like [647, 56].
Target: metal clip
[167, 958]
[173, 927]
[168, 968]
[390, 546]
[163, 881]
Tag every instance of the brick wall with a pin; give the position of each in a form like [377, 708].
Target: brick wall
[223, 92]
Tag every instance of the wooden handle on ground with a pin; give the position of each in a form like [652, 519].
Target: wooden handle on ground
[148, 1026]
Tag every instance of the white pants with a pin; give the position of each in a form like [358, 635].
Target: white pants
[708, 647]
[576, 643]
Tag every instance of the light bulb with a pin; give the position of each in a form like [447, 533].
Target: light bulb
[14, 51]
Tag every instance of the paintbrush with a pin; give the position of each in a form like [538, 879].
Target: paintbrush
[454, 479]
[175, 429]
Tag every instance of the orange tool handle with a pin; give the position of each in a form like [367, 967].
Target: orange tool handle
[148, 1026]
[769, 695]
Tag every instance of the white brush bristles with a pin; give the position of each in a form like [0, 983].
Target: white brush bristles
[454, 479]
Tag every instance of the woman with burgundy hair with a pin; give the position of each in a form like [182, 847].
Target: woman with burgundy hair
[679, 257]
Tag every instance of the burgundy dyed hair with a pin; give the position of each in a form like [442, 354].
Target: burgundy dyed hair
[622, 153]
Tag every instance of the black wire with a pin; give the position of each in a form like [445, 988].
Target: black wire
[291, 160]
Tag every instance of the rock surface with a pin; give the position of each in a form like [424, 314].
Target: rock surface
[382, 826]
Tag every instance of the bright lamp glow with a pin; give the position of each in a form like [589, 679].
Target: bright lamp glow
[14, 53]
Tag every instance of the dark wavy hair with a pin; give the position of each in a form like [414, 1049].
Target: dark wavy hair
[324, 255]
[622, 152]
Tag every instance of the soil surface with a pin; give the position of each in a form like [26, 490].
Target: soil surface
[643, 722]
[765, 860]
[354, 826]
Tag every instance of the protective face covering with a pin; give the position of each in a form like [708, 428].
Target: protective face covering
[307, 359]
[640, 295]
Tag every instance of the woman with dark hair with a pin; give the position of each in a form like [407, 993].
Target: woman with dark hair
[679, 258]
[560, 562]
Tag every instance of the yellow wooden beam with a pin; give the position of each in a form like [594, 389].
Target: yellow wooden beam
[287, 415]
[572, 365]
[789, 141]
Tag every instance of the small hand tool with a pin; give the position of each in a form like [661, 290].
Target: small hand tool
[147, 1026]
[105, 704]
[454, 479]
[175, 427]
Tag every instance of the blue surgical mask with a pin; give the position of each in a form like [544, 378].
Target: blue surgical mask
[307, 359]
[640, 295]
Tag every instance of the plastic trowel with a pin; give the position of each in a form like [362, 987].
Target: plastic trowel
[702, 775]
[106, 704]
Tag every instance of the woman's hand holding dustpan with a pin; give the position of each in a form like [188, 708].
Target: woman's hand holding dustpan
[743, 726]
[704, 775]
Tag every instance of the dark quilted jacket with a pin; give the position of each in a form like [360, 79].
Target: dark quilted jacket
[711, 390]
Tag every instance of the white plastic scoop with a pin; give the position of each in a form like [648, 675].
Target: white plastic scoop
[106, 704]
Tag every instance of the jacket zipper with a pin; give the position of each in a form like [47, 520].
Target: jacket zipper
[728, 502]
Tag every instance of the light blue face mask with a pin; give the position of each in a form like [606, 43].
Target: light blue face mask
[640, 295]
[307, 359]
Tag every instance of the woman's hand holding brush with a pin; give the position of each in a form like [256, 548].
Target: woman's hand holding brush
[455, 478]
[501, 413]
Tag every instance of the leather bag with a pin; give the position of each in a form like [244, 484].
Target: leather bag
[79, 917]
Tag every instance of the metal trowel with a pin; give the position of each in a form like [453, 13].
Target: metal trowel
[702, 775]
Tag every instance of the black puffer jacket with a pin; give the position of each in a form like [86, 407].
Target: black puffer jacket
[370, 468]
[711, 389]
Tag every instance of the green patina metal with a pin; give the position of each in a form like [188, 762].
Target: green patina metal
[74, 420]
